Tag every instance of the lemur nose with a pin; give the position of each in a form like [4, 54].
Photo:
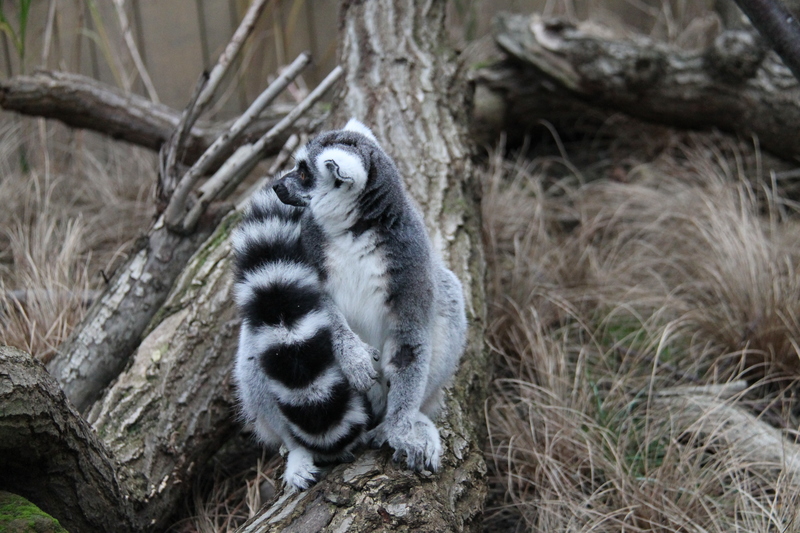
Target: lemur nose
[281, 190]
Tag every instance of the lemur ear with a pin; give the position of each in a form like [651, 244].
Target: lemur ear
[359, 127]
[336, 172]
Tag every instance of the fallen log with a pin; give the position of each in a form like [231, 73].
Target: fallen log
[712, 420]
[51, 456]
[734, 85]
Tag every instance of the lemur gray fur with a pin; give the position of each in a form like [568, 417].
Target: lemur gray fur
[377, 263]
[301, 372]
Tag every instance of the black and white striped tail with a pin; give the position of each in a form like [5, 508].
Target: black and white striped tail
[286, 356]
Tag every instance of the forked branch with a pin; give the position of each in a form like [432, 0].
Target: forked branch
[177, 204]
[244, 159]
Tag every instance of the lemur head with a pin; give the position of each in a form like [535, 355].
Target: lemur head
[335, 171]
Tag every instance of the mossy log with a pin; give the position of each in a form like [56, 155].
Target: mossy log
[51, 456]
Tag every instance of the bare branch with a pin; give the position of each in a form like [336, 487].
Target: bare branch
[244, 159]
[226, 58]
[169, 153]
[778, 26]
[177, 204]
[81, 102]
[134, 50]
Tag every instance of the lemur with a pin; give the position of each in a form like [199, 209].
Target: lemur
[301, 373]
[377, 263]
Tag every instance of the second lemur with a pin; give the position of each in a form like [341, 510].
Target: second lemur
[377, 263]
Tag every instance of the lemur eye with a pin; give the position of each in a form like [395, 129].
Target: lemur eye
[302, 176]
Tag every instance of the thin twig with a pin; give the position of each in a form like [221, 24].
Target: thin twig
[778, 26]
[134, 50]
[240, 163]
[226, 58]
[48, 34]
[177, 203]
[169, 154]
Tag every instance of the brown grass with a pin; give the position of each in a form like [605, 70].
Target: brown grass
[72, 209]
[604, 296]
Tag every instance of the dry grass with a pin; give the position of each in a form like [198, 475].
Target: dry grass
[73, 205]
[604, 296]
[232, 498]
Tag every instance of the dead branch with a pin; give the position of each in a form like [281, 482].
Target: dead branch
[81, 102]
[226, 59]
[732, 85]
[702, 419]
[246, 156]
[206, 88]
[177, 204]
[133, 50]
[778, 26]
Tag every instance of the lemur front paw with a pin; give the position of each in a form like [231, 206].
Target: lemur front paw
[418, 441]
[300, 472]
[358, 368]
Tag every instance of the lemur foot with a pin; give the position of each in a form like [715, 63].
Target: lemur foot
[300, 472]
[418, 441]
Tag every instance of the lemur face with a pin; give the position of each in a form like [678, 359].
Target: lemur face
[331, 170]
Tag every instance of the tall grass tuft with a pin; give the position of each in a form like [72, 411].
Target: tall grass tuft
[67, 222]
[620, 315]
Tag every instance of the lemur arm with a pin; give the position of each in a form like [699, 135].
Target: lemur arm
[353, 355]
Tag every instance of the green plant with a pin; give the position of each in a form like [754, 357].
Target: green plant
[17, 35]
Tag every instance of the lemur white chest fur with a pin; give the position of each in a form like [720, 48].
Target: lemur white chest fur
[358, 281]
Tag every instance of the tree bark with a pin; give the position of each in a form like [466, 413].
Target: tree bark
[403, 81]
[82, 102]
[733, 85]
[51, 456]
[102, 343]
[171, 409]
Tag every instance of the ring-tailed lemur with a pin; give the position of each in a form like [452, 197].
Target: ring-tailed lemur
[301, 372]
[378, 265]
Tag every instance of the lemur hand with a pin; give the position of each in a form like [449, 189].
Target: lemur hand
[357, 364]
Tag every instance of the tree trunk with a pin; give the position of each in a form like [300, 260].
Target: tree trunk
[51, 456]
[733, 85]
[402, 81]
